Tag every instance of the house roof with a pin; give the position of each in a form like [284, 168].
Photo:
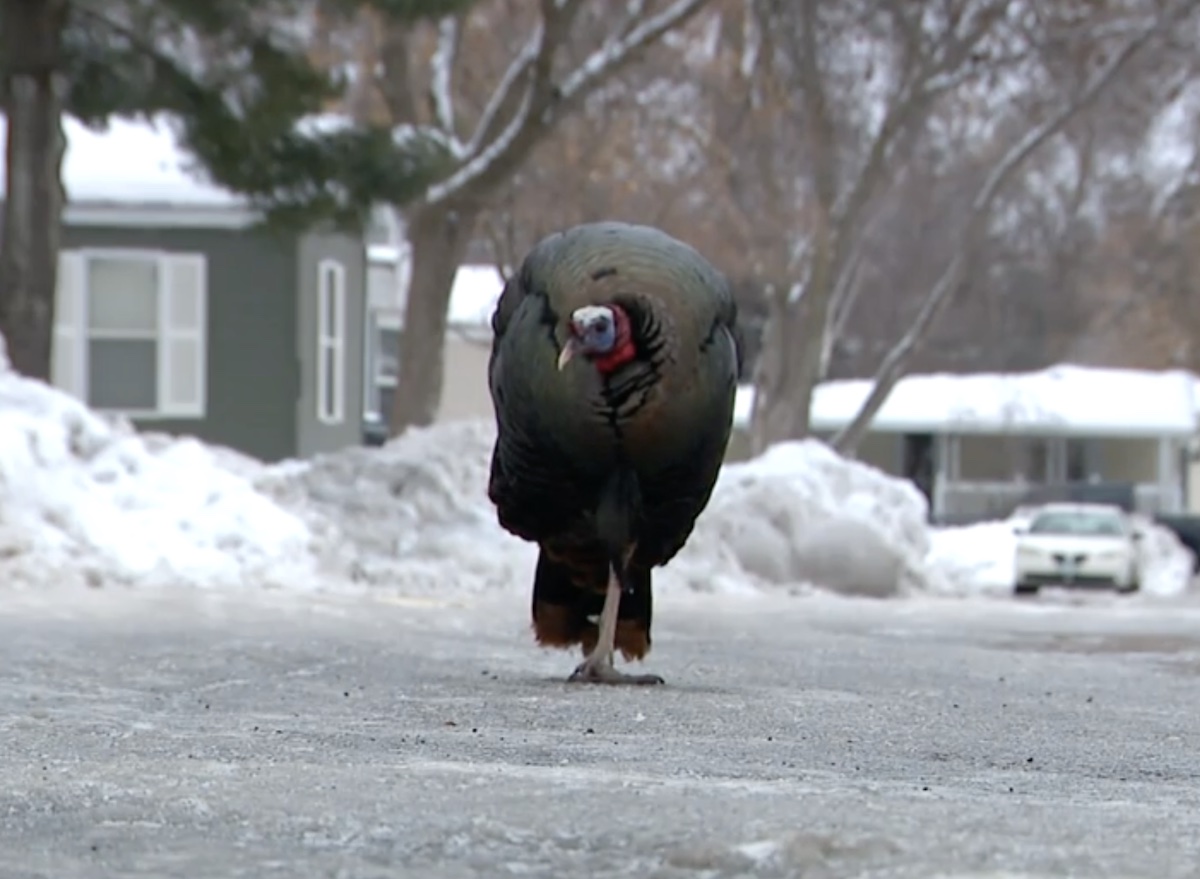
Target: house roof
[135, 173]
[1063, 400]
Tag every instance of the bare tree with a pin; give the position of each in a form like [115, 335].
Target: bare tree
[965, 256]
[565, 53]
[896, 60]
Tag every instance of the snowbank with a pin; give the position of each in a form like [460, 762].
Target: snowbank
[802, 514]
[974, 559]
[86, 499]
[978, 560]
[412, 514]
[1166, 564]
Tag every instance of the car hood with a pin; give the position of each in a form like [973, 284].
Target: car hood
[1067, 543]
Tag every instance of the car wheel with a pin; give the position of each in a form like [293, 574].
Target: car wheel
[1025, 589]
[1129, 588]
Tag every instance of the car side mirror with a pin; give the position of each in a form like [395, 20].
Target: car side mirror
[1137, 536]
[1019, 529]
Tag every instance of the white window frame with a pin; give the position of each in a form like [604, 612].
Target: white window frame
[375, 378]
[331, 283]
[73, 282]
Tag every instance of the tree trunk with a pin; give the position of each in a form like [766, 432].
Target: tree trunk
[790, 363]
[438, 237]
[31, 31]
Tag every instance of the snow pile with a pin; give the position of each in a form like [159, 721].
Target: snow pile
[85, 499]
[802, 514]
[412, 514]
[979, 559]
[975, 559]
[1165, 563]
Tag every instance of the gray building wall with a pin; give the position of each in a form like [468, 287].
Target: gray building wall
[312, 435]
[252, 373]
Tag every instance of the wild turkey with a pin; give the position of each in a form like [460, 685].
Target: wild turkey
[613, 371]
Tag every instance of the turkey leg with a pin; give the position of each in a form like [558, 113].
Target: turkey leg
[598, 667]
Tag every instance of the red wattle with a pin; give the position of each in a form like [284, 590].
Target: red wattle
[623, 350]
[621, 354]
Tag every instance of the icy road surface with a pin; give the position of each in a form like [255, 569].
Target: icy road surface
[202, 736]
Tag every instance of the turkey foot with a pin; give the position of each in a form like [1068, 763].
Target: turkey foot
[595, 670]
[598, 667]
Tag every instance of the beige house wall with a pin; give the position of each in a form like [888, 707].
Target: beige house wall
[465, 393]
[1002, 458]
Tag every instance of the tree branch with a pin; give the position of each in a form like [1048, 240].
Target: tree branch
[912, 101]
[489, 124]
[841, 306]
[619, 51]
[821, 134]
[953, 276]
[542, 102]
[441, 80]
[394, 79]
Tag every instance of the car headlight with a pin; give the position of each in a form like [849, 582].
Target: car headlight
[1029, 553]
[1113, 555]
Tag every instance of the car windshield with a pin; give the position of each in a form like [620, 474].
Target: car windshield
[1078, 523]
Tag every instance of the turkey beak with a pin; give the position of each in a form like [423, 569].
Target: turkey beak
[569, 348]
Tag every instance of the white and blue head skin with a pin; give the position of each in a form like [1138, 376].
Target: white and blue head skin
[596, 328]
[594, 333]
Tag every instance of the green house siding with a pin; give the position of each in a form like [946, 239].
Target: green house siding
[251, 368]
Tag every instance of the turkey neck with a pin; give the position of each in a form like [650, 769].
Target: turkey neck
[629, 389]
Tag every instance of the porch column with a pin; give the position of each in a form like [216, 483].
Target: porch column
[947, 467]
[1170, 476]
[941, 474]
[1056, 460]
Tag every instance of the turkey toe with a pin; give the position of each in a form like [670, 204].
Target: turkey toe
[602, 673]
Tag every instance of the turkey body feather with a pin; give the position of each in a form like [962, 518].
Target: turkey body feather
[607, 467]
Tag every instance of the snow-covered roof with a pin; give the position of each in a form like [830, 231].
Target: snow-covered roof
[1064, 399]
[473, 297]
[136, 165]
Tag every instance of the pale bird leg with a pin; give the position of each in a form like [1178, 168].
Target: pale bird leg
[598, 667]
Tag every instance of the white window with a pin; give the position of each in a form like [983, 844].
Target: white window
[331, 342]
[383, 365]
[130, 331]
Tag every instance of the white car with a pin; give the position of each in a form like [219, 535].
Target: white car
[1077, 545]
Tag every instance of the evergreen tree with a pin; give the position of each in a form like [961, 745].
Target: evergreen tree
[238, 79]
